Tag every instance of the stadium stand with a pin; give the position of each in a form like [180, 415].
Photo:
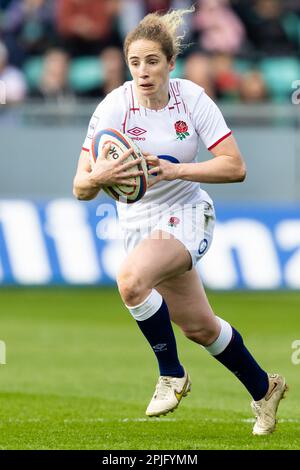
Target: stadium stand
[266, 48]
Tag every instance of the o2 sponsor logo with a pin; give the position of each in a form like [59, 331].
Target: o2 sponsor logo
[2, 92]
[295, 358]
[65, 241]
[296, 94]
[113, 152]
[2, 352]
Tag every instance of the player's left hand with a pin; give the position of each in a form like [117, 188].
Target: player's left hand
[162, 169]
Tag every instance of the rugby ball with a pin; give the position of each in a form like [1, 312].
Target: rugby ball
[120, 143]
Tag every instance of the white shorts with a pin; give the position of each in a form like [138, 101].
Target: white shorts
[192, 224]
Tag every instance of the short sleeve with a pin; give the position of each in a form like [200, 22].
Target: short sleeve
[209, 122]
[107, 114]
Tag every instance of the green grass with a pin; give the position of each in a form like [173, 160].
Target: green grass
[79, 375]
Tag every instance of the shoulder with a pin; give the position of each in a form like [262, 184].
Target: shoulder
[199, 103]
[187, 89]
[120, 93]
[113, 101]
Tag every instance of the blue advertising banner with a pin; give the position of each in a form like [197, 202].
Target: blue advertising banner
[64, 241]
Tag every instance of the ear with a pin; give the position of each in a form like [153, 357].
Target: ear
[172, 64]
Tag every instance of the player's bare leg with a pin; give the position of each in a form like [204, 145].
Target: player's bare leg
[152, 261]
[189, 307]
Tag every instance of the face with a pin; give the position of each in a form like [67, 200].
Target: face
[149, 68]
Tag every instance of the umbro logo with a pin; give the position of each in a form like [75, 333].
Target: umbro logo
[136, 133]
[160, 347]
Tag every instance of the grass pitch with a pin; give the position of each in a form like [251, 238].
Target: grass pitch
[79, 375]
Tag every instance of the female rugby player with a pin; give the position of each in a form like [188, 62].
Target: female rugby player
[171, 227]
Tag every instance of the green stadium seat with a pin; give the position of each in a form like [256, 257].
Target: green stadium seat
[32, 69]
[291, 24]
[242, 65]
[279, 74]
[85, 73]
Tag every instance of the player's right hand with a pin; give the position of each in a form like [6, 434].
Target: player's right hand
[108, 172]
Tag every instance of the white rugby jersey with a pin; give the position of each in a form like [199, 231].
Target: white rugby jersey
[173, 133]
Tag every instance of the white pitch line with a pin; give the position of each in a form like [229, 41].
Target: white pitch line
[121, 420]
[142, 420]
[139, 420]
[283, 420]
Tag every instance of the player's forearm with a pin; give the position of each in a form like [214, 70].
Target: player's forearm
[84, 187]
[222, 169]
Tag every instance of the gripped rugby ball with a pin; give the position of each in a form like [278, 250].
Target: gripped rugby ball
[120, 143]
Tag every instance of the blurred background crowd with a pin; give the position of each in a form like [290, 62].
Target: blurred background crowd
[239, 50]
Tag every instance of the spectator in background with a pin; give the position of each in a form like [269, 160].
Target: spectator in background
[88, 26]
[217, 28]
[28, 28]
[226, 79]
[131, 13]
[13, 79]
[293, 6]
[54, 82]
[265, 24]
[152, 6]
[114, 69]
[215, 73]
[113, 73]
[252, 88]
[197, 68]
[4, 4]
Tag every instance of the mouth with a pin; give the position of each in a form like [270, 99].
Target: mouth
[146, 86]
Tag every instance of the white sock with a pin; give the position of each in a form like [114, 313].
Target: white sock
[148, 307]
[222, 341]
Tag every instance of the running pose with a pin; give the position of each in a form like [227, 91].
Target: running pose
[171, 227]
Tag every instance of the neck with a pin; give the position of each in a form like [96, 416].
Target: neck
[157, 101]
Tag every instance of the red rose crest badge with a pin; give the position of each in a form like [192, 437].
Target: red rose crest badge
[181, 129]
[173, 221]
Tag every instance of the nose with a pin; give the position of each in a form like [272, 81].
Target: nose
[143, 71]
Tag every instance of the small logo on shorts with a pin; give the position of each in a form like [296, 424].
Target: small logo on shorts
[202, 246]
[173, 221]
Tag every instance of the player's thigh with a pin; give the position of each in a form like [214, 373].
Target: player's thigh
[187, 302]
[156, 259]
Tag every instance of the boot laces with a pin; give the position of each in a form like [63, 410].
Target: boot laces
[163, 388]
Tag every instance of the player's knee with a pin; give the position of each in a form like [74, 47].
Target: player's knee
[130, 287]
[203, 335]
